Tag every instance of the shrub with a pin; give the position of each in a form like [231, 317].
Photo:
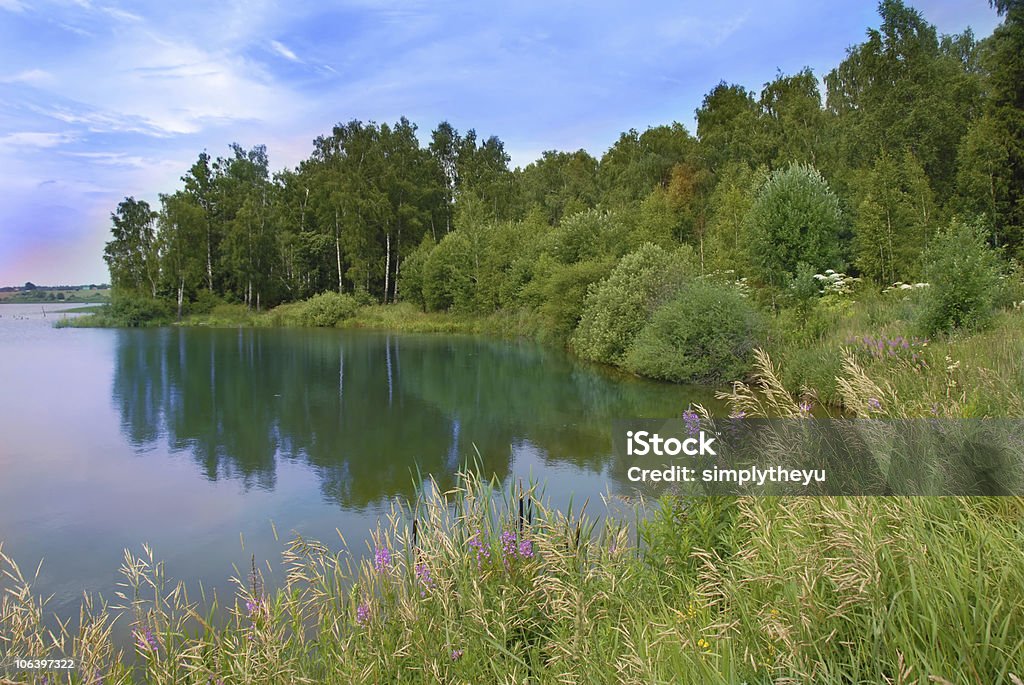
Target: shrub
[794, 218]
[706, 334]
[411, 280]
[964, 278]
[205, 302]
[448, 274]
[327, 309]
[616, 308]
[138, 311]
[564, 293]
[585, 235]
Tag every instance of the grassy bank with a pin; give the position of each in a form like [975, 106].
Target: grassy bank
[818, 590]
[486, 585]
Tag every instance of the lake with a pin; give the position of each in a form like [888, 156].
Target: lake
[201, 441]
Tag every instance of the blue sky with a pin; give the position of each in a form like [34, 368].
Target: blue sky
[100, 99]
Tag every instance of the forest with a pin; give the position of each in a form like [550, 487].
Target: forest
[906, 173]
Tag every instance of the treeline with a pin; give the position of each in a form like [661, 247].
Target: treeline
[915, 129]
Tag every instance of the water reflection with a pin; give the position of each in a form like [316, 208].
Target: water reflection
[365, 410]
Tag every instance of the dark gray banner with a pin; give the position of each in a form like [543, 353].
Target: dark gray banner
[821, 456]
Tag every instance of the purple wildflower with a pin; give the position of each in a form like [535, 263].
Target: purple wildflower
[424, 578]
[382, 559]
[456, 654]
[256, 608]
[363, 614]
[477, 543]
[805, 407]
[874, 403]
[526, 549]
[508, 543]
[692, 421]
[145, 640]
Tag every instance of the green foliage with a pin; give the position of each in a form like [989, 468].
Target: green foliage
[706, 334]
[963, 276]
[448, 274]
[678, 528]
[730, 202]
[563, 292]
[587, 235]
[893, 219]
[135, 311]
[413, 273]
[794, 218]
[131, 254]
[205, 302]
[328, 309]
[617, 308]
[560, 184]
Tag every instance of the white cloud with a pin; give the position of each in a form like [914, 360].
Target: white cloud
[12, 5]
[283, 50]
[120, 14]
[35, 139]
[172, 87]
[29, 76]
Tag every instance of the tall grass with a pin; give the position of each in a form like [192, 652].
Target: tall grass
[485, 585]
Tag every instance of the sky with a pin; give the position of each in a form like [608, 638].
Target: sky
[101, 99]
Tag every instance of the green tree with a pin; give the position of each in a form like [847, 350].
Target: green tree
[794, 218]
[728, 128]
[963, 276]
[893, 220]
[982, 175]
[639, 162]
[793, 121]
[182, 227]
[1002, 133]
[903, 87]
[560, 183]
[131, 254]
[730, 203]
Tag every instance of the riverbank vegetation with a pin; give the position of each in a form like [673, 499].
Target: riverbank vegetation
[672, 256]
[753, 590]
[480, 584]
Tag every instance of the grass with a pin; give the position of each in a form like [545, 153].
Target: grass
[486, 585]
[977, 373]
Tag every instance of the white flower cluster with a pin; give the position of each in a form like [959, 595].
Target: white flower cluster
[835, 283]
[900, 285]
[729, 275]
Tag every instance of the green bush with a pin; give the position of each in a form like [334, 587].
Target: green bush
[706, 334]
[586, 235]
[564, 292]
[138, 311]
[794, 218]
[410, 284]
[964, 279]
[616, 308]
[327, 309]
[448, 275]
[205, 302]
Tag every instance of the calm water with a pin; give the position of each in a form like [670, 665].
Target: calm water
[196, 440]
